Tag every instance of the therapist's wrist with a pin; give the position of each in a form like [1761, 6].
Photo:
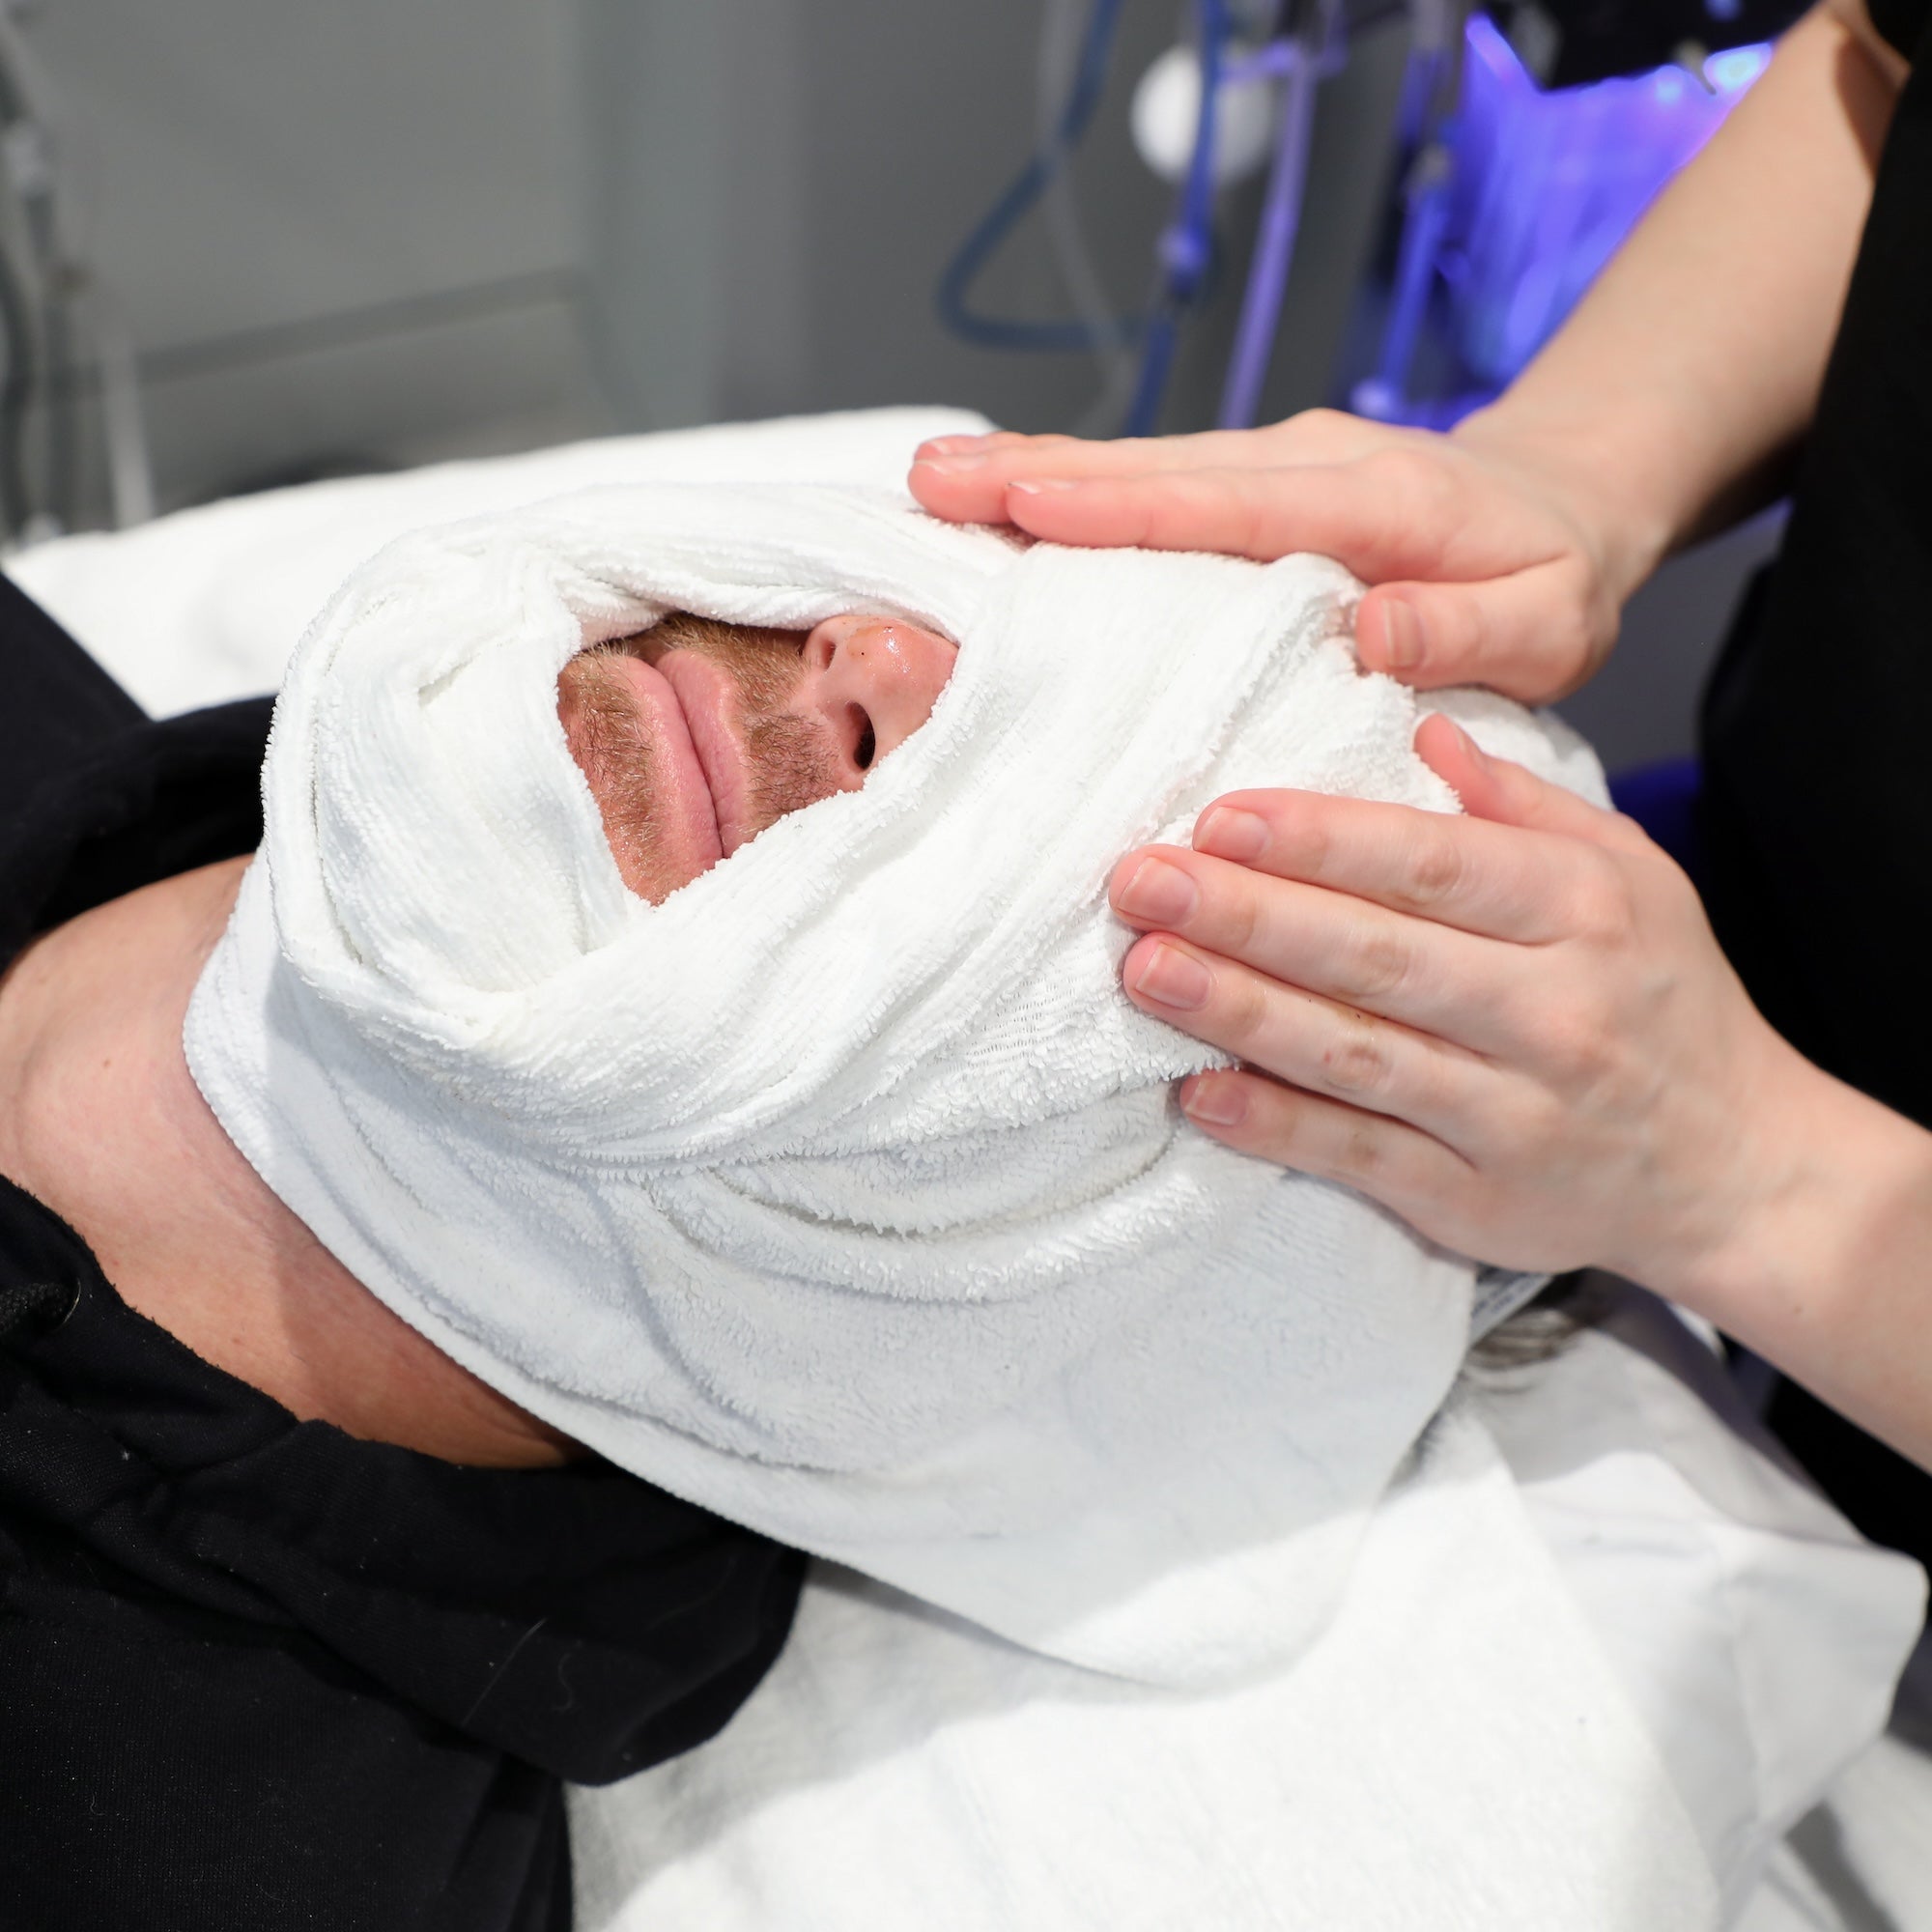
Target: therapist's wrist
[1823, 1262]
[1760, 1228]
[1732, 1173]
[1594, 472]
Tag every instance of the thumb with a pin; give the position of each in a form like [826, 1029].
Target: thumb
[1509, 794]
[1530, 635]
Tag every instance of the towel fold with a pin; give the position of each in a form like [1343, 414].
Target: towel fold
[842, 1192]
[1596, 1654]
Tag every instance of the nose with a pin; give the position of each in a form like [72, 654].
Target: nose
[872, 681]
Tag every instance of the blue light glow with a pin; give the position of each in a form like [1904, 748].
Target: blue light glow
[1547, 184]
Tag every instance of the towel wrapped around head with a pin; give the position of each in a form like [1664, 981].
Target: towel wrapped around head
[842, 1192]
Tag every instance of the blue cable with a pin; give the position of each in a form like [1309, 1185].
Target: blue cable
[986, 240]
[1188, 246]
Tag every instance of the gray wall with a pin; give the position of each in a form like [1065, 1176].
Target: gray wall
[783, 253]
[380, 231]
[360, 232]
[338, 232]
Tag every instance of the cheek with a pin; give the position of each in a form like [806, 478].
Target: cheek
[614, 760]
[623, 804]
[794, 763]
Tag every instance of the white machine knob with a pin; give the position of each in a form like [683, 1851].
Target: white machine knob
[1167, 107]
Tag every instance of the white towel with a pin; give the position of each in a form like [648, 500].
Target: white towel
[1453, 1756]
[1595, 1656]
[842, 1192]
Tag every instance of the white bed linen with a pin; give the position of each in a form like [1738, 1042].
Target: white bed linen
[1744, 1628]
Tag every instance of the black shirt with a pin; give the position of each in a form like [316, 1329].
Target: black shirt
[1816, 816]
[1818, 771]
[254, 1673]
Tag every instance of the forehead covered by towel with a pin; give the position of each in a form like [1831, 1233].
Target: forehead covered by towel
[841, 1191]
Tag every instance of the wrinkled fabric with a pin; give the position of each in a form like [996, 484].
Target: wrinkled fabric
[842, 1192]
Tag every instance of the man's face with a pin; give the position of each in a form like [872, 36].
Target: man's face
[695, 736]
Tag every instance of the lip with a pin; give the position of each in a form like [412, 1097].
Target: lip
[684, 813]
[708, 701]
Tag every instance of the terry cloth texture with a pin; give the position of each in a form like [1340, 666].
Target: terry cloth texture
[842, 1192]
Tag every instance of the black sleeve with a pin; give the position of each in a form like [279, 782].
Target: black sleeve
[161, 1770]
[96, 799]
[1816, 813]
[257, 1675]
[1902, 22]
[59, 705]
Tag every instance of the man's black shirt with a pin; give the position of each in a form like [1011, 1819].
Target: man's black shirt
[254, 1673]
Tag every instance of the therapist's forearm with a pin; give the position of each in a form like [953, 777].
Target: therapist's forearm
[1671, 399]
[1829, 1275]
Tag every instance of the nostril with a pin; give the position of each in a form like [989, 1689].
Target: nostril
[866, 747]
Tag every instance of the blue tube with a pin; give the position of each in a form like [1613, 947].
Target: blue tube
[1187, 246]
[986, 239]
[1274, 249]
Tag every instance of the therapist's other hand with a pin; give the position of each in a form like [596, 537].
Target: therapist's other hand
[1490, 559]
[1514, 1028]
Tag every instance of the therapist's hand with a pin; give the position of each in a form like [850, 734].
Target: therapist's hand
[1514, 1028]
[1492, 559]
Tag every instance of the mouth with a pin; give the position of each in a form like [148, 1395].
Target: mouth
[684, 827]
[689, 710]
[710, 703]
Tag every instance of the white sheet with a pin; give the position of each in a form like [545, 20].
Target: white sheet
[1615, 1737]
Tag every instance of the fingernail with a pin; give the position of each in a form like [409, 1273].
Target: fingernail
[950, 465]
[1229, 833]
[1161, 894]
[949, 445]
[1213, 1100]
[1475, 753]
[1040, 486]
[1174, 979]
[1402, 635]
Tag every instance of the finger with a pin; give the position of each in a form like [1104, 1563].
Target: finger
[968, 446]
[1383, 1158]
[1502, 882]
[1504, 793]
[1390, 514]
[1339, 511]
[1433, 979]
[1318, 1045]
[972, 483]
[1315, 435]
[1530, 635]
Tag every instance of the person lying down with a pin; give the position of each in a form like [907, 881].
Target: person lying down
[676, 982]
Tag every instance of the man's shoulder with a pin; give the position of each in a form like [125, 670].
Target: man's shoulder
[124, 809]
